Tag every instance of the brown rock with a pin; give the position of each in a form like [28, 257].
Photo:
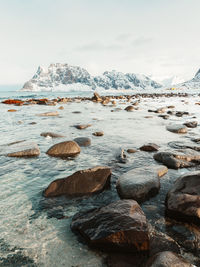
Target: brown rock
[191, 124]
[47, 114]
[50, 134]
[96, 97]
[12, 110]
[98, 133]
[119, 226]
[131, 150]
[84, 182]
[61, 107]
[150, 147]
[177, 128]
[82, 126]
[129, 108]
[20, 149]
[64, 149]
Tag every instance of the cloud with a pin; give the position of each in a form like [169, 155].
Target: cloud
[142, 41]
[98, 46]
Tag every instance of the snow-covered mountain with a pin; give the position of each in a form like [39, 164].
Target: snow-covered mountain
[171, 81]
[66, 78]
[191, 84]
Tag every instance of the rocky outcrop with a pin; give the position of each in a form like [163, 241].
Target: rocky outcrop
[178, 159]
[140, 183]
[183, 200]
[119, 226]
[84, 182]
[64, 149]
[20, 149]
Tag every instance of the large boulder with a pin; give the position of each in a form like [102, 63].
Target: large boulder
[167, 259]
[178, 159]
[119, 226]
[183, 200]
[84, 182]
[20, 149]
[64, 149]
[177, 128]
[141, 183]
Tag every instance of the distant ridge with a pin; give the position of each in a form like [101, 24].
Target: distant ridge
[63, 77]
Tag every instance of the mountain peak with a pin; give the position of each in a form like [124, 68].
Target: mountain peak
[198, 73]
[63, 75]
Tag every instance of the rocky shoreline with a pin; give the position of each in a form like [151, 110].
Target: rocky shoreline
[121, 228]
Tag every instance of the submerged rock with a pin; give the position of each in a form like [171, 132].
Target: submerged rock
[64, 149]
[183, 200]
[141, 183]
[167, 259]
[119, 226]
[184, 145]
[50, 134]
[150, 147]
[178, 159]
[83, 141]
[20, 149]
[177, 128]
[84, 182]
[49, 114]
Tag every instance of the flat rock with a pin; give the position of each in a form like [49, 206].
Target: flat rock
[119, 226]
[178, 159]
[82, 126]
[20, 149]
[184, 145]
[183, 200]
[49, 114]
[12, 110]
[64, 149]
[140, 183]
[150, 147]
[83, 141]
[50, 134]
[167, 259]
[84, 182]
[177, 128]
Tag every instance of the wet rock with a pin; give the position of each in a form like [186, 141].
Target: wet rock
[181, 159]
[183, 200]
[167, 259]
[61, 107]
[96, 97]
[33, 123]
[119, 226]
[191, 124]
[177, 128]
[129, 108]
[121, 156]
[131, 150]
[160, 110]
[12, 110]
[196, 140]
[140, 184]
[82, 126]
[20, 149]
[171, 106]
[171, 112]
[125, 260]
[50, 134]
[76, 112]
[181, 113]
[98, 133]
[64, 149]
[13, 102]
[183, 145]
[83, 141]
[49, 114]
[84, 182]
[164, 116]
[150, 147]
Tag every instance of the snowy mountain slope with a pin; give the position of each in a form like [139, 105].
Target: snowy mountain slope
[65, 77]
[191, 84]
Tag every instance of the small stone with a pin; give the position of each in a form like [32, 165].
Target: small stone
[129, 108]
[12, 110]
[98, 133]
[191, 124]
[82, 126]
[47, 114]
[150, 147]
[50, 134]
[131, 150]
[83, 141]
[61, 107]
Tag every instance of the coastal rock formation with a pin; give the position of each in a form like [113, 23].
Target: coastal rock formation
[20, 149]
[178, 159]
[65, 77]
[141, 183]
[119, 226]
[84, 182]
[183, 200]
[64, 149]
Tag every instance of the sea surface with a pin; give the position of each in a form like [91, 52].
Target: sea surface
[35, 231]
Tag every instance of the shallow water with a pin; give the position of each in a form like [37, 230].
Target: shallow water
[36, 231]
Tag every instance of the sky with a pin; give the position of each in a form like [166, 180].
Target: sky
[158, 38]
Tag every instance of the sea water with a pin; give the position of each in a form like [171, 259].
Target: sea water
[35, 231]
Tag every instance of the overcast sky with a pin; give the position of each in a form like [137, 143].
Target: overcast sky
[154, 37]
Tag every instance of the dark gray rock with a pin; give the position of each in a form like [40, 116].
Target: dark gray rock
[83, 141]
